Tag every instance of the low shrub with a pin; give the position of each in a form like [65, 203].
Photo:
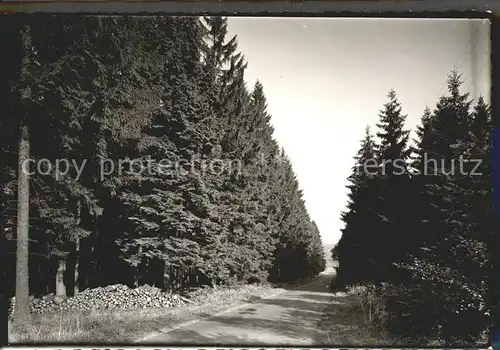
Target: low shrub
[373, 306]
[427, 312]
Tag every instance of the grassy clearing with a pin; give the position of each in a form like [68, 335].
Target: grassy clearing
[119, 326]
[354, 318]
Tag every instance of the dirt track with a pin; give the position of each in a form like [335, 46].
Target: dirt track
[290, 318]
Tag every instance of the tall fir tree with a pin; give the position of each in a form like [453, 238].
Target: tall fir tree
[354, 250]
[396, 193]
[143, 94]
[449, 269]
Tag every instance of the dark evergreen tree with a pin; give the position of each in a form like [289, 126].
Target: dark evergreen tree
[355, 248]
[396, 195]
[125, 99]
[449, 269]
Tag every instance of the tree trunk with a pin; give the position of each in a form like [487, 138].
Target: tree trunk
[21, 309]
[76, 288]
[160, 273]
[60, 286]
[21, 312]
[22, 269]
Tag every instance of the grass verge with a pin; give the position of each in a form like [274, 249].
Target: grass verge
[358, 317]
[353, 319]
[127, 326]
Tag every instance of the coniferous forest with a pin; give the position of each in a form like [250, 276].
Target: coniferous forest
[134, 153]
[182, 185]
[418, 230]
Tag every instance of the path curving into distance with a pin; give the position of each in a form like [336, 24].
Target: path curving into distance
[290, 318]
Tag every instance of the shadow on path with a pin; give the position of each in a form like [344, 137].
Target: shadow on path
[290, 318]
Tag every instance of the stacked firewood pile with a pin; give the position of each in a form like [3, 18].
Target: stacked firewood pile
[109, 297]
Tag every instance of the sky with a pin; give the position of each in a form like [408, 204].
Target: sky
[325, 79]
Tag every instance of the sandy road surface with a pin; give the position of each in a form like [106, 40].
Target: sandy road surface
[290, 318]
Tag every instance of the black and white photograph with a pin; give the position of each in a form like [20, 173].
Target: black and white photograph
[245, 181]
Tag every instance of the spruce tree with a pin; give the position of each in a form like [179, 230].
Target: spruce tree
[355, 248]
[149, 90]
[450, 267]
[392, 155]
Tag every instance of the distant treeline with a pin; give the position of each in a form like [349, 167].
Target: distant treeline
[89, 89]
[423, 226]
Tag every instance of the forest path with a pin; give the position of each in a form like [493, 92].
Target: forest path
[290, 318]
